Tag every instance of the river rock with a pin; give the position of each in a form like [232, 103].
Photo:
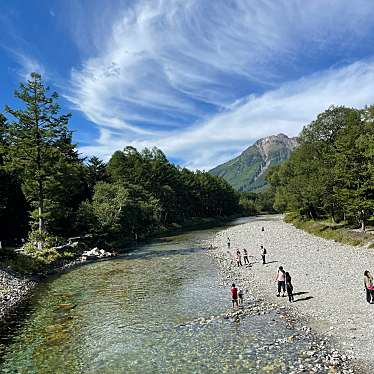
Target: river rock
[95, 254]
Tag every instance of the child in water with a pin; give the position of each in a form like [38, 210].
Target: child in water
[234, 295]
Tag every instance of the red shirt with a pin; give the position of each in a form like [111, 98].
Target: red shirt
[234, 292]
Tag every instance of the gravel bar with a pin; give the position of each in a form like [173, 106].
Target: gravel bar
[14, 290]
[327, 277]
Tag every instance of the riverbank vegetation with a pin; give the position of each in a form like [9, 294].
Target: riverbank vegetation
[49, 192]
[330, 175]
[254, 203]
[340, 232]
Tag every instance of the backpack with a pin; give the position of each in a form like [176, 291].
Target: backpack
[264, 251]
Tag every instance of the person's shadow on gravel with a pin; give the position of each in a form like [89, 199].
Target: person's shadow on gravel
[300, 293]
[303, 299]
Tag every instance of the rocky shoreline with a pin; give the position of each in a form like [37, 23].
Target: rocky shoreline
[14, 290]
[329, 352]
[319, 357]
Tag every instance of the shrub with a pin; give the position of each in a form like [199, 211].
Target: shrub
[35, 236]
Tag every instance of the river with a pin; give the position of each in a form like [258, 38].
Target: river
[127, 315]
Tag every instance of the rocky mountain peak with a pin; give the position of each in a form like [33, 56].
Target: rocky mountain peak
[247, 171]
[266, 145]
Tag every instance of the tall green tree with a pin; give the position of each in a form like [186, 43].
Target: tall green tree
[95, 172]
[354, 168]
[38, 139]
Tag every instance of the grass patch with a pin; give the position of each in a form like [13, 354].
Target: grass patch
[37, 260]
[338, 232]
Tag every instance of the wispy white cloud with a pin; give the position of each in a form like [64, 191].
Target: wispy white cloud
[29, 65]
[26, 63]
[202, 79]
[286, 110]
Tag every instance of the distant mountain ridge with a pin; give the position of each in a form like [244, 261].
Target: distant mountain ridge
[247, 171]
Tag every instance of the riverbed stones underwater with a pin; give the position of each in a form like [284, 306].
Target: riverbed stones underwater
[318, 357]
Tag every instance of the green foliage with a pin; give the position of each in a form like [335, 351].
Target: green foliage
[95, 172]
[13, 205]
[86, 219]
[35, 236]
[253, 203]
[38, 144]
[337, 232]
[331, 173]
[180, 193]
[124, 211]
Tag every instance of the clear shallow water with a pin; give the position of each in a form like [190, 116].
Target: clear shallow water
[126, 316]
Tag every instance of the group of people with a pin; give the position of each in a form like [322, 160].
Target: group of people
[284, 283]
[238, 255]
[236, 296]
[283, 278]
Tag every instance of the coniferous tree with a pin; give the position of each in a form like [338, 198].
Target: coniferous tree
[95, 171]
[38, 139]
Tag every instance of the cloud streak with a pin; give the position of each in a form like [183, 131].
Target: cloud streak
[202, 80]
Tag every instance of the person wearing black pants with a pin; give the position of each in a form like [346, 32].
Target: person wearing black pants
[239, 258]
[263, 254]
[245, 257]
[281, 279]
[289, 287]
[368, 283]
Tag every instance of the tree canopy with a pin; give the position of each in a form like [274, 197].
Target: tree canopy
[331, 173]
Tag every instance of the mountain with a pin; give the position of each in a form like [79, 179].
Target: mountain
[247, 171]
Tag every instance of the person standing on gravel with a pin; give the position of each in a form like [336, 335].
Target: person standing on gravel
[289, 287]
[228, 243]
[234, 295]
[263, 254]
[281, 279]
[368, 283]
[240, 294]
[239, 258]
[245, 256]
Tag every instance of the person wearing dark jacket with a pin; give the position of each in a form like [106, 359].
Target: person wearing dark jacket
[289, 287]
[263, 254]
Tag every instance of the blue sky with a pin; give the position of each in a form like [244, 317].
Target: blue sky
[199, 79]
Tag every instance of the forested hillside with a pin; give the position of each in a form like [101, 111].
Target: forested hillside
[49, 191]
[331, 172]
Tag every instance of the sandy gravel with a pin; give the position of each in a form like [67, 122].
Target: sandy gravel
[329, 274]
